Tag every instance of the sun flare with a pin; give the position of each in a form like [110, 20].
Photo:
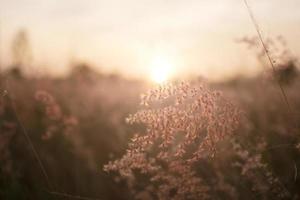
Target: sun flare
[161, 69]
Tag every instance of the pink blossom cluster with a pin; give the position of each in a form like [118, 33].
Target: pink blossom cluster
[183, 124]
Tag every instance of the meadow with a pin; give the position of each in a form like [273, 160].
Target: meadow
[94, 135]
[68, 138]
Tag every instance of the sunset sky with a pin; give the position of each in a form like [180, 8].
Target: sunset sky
[196, 36]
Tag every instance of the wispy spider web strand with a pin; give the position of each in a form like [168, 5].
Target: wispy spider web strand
[32, 148]
[259, 33]
[36, 155]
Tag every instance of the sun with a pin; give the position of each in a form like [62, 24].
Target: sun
[161, 69]
[160, 75]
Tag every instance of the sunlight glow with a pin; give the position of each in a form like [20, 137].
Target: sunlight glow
[161, 69]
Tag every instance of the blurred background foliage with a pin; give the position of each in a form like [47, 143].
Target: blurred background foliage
[77, 124]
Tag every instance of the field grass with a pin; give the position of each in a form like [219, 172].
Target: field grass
[77, 125]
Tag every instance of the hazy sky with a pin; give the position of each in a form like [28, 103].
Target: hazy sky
[124, 35]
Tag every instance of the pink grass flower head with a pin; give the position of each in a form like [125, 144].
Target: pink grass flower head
[183, 124]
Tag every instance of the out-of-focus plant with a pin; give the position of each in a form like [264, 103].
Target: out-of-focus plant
[21, 52]
[8, 129]
[282, 58]
[54, 114]
[252, 167]
[183, 125]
